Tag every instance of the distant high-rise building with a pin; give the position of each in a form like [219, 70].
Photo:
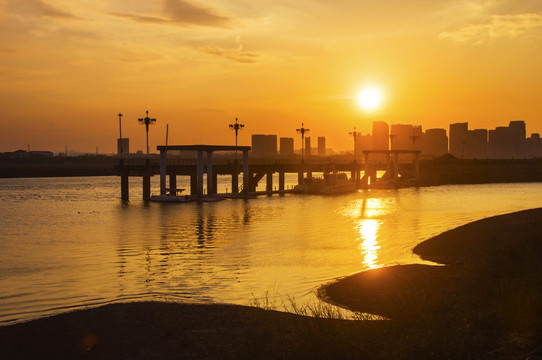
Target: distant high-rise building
[286, 146]
[517, 140]
[307, 146]
[405, 137]
[434, 142]
[500, 144]
[476, 144]
[533, 146]
[458, 139]
[380, 135]
[321, 146]
[264, 144]
[123, 146]
[363, 142]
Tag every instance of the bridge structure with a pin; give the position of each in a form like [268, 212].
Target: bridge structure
[255, 168]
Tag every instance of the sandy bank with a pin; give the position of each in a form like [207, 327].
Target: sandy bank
[492, 275]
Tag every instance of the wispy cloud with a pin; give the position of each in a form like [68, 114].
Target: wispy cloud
[183, 13]
[497, 26]
[39, 8]
[237, 54]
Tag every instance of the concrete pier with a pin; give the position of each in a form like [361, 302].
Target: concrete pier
[397, 174]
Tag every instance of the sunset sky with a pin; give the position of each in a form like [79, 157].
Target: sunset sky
[69, 66]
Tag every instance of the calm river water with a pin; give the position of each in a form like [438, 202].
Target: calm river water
[68, 243]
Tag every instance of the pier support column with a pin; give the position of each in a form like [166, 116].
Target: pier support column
[210, 185]
[215, 183]
[173, 183]
[235, 182]
[417, 168]
[269, 180]
[124, 192]
[300, 177]
[396, 168]
[199, 190]
[389, 168]
[146, 187]
[194, 183]
[163, 159]
[281, 181]
[246, 176]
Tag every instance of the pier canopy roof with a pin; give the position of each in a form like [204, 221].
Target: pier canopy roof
[202, 147]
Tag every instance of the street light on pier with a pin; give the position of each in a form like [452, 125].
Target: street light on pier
[355, 134]
[302, 130]
[236, 127]
[120, 125]
[120, 144]
[147, 121]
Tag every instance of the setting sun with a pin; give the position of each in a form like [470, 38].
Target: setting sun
[370, 98]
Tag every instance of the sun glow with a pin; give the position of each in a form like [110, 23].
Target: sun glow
[370, 98]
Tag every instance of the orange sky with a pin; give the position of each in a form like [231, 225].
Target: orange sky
[69, 66]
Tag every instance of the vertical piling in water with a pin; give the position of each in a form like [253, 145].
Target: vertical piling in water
[215, 183]
[194, 183]
[173, 182]
[124, 187]
[417, 168]
[269, 182]
[281, 181]
[235, 181]
[246, 181]
[146, 187]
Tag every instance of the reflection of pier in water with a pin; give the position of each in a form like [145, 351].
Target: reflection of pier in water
[255, 169]
[167, 261]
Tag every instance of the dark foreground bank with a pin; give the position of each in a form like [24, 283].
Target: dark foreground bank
[488, 287]
[485, 303]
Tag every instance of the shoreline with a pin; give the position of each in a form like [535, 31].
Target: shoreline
[484, 250]
[484, 302]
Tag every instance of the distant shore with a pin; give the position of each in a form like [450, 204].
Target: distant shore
[484, 302]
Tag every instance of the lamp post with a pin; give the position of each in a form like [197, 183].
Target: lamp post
[355, 134]
[236, 127]
[302, 130]
[147, 121]
[120, 125]
[121, 147]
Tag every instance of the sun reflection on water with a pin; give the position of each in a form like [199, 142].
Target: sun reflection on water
[366, 214]
[368, 235]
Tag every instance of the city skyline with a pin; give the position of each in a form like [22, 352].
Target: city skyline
[68, 68]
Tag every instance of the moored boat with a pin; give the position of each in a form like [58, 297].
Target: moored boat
[331, 183]
[171, 196]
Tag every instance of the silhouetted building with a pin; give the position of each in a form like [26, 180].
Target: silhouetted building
[363, 142]
[434, 142]
[123, 146]
[264, 144]
[405, 137]
[321, 146]
[500, 144]
[307, 146]
[459, 133]
[476, 145]
[286, 146]
[533, 146]
[517, 138]
[380, 135]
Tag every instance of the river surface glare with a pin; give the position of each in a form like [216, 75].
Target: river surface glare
[69, 243]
